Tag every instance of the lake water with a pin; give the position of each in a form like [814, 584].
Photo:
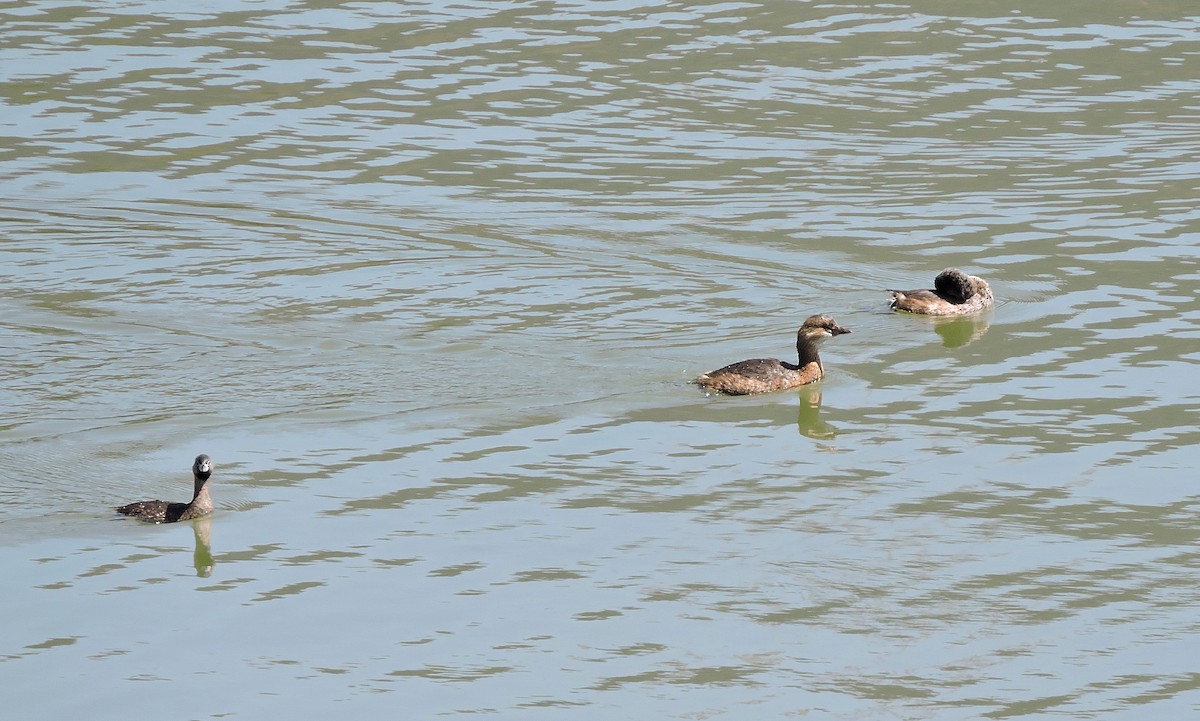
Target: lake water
[428, 279]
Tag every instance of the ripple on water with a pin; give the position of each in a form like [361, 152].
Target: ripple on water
[429, 285]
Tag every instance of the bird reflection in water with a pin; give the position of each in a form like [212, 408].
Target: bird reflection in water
[202, 558]
[809, 417]
[958, 332]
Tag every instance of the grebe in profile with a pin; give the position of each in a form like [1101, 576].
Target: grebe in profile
[954, 293]
[763, 375]
[165, 512]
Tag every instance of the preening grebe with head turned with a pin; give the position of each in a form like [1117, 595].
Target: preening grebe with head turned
[954, 293]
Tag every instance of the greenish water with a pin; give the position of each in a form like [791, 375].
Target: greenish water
[427, 280]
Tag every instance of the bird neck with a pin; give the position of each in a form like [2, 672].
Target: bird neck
[202, 501]
[806, 349]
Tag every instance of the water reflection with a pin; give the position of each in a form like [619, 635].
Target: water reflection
[954, 331]
[808, 418]
[202, 557]
[958, 332]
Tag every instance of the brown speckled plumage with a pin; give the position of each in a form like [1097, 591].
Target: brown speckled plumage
[167, 512]
[954, 293]
[763, 375]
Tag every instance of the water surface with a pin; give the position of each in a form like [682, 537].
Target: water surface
[427, 280]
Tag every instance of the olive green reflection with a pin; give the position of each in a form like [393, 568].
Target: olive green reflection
[808, 418]
[202, 557]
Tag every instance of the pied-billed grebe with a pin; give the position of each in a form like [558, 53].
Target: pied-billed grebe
[954, 293]
[763, 375]
[165, 512]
